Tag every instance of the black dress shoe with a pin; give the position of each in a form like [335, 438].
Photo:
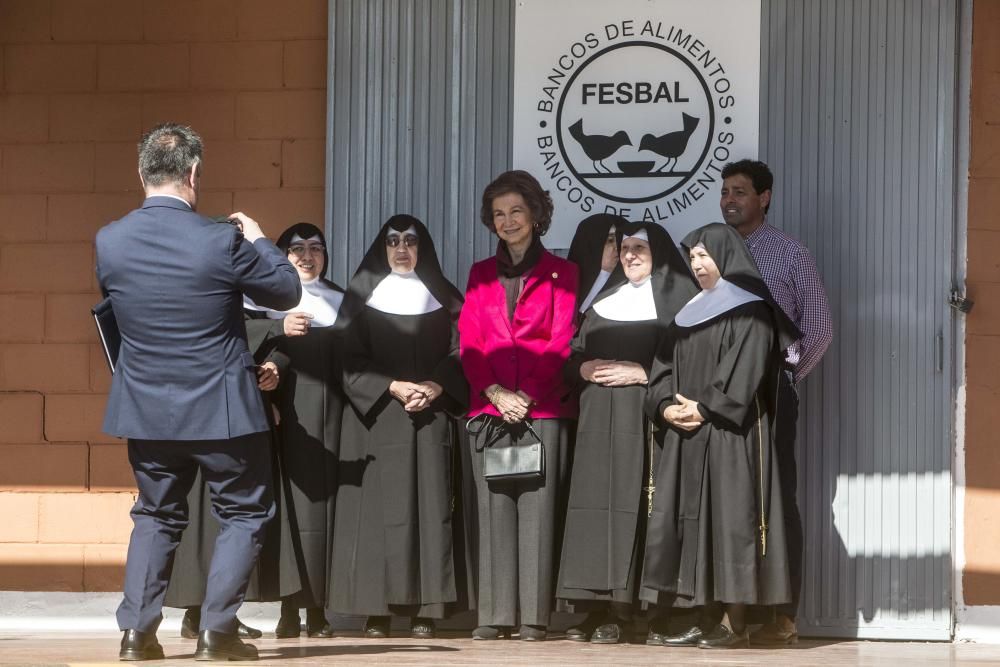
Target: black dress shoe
[316, 624]
[688, 638]
[223, 646]
[288, 627]
[377, 627]
[138, 645]
[533, 633]
[488, 632]
[610, 633]
[723, 637]
[422, 628]
[246, 632]
[582, 631]
[190, 623]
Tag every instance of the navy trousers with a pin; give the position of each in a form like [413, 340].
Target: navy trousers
[238, 475]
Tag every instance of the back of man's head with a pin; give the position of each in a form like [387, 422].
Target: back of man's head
[168, 153]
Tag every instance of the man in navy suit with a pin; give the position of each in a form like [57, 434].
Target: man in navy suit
[184, 391]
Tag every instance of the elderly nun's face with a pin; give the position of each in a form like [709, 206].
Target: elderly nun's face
[637, 259]
[307, 257]
[401, 250]
[703, 267]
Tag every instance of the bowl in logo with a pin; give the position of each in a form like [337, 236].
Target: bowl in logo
[630, 168]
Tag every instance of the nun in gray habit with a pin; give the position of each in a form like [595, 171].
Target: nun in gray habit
[393, 547]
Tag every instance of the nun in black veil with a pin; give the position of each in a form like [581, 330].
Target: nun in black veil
[616, 453]
[594, 249]
[305, 341]
[393, 533]
[717, 541]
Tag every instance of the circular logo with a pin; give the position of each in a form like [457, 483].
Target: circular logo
[635, 121]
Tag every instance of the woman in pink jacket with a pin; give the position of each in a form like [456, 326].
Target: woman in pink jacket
[515, 329]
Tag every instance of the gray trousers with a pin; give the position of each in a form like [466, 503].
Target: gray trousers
[520, 533]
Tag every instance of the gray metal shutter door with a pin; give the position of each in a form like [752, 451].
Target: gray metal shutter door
[858, 106]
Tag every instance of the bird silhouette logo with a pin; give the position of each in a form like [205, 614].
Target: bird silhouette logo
[599, 147]
[670, 145]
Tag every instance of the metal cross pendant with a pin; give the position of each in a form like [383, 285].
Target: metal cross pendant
[650, 490]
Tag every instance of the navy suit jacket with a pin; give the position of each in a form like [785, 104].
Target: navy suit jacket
[176, 281]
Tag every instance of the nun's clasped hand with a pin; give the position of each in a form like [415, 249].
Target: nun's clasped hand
[267, 376]
[684, 415]
[297, 324]
[415, 396]
[613, 373]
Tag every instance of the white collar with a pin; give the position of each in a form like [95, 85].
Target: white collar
[180, 199]
[710, 303]
[402, 294]
[318, 299]
[599, 282]
[632, 302]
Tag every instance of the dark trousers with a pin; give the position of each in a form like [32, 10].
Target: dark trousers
[238, 475]
[784, 444]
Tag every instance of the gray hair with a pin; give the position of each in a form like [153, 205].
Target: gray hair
[167, 153]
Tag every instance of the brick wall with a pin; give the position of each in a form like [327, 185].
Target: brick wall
[982, 442]
[80, 80]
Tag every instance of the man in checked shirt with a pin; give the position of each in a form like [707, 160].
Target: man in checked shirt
[790, 273]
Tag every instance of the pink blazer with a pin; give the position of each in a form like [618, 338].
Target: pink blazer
[527, 354]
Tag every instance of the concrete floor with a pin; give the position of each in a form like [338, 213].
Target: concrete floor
[457, 649]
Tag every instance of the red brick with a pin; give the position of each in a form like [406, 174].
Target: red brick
[100, 373]
[982, 361]
[236, 65]
[77, 217]
[85, 518]
[982, 460]
[76, 418]
[984, 319]
[110, 469]
[212, 115]
[41, 567]
[43, 467]
[50, 68]
[303, 163]
[246, 164]
[22, 218]
[984, 154]
[293, 19]
[46, 267]
[104, 567]
[96, 20]
[22, 415]
[203, 20]
[46, 367]
[22, 318]
[275, 210]
[68, 319]
[293, 114]
[215, 203]
[20, 517]
[984, 201]
[984, 256]
[24, 21]
[48, 168]
[305, 64]
[24, 119]
[140, 67]
[117, 170]
[97, 117]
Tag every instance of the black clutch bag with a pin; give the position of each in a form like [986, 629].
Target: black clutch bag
[510, 451]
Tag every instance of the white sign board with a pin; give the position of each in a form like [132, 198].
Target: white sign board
[634, 106]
